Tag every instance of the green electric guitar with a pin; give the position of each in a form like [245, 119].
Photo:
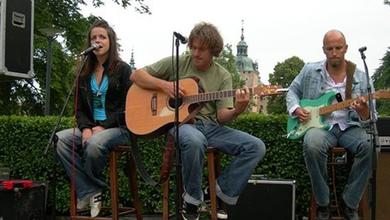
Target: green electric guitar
[318, 108]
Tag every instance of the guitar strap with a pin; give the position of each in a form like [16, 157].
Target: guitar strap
[139, 162]
[350, 71]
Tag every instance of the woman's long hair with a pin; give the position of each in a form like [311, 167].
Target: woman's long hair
[113, 54]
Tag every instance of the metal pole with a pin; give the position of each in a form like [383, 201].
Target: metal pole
[48, 76]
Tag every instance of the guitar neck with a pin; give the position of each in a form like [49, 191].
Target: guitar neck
[331, 108]
[211, 96]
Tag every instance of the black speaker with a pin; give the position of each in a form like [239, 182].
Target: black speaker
[16, 38]
[265, 199]
[383, 126]
[23, 203]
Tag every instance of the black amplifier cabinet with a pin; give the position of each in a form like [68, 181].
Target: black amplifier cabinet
[271, 199]
[23, 204]
[383, 127]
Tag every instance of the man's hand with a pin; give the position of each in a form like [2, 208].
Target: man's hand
[169, 88]
[302, 114]
[242, 100]
[361, 107]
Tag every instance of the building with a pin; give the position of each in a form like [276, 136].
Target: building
[249, 72]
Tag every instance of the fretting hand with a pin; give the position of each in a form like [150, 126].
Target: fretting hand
[361, 107]
[242, 100]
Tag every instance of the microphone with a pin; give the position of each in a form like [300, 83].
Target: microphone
[362, 49]
[182, 39]
[93, 47]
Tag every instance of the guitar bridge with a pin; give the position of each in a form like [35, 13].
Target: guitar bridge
[153, 104]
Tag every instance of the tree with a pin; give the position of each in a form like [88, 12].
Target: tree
[284, 74]
[381, 80]
[26, 96]
[228, 61]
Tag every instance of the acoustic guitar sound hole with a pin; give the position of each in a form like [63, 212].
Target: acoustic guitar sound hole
[171, 103]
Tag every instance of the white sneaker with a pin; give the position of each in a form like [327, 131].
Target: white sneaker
[221, 214]
[95, 203]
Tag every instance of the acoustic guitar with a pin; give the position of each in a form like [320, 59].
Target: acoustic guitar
[149, 112]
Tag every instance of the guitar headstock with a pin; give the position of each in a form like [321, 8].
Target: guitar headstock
[267, 90]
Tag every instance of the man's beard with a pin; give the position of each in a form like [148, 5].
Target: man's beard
[334, 62]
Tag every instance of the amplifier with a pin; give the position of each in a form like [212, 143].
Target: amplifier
[271, 199]
[383, 127]
[23, 203]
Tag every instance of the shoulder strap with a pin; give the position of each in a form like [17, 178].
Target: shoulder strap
[139, 162]
[350, 71]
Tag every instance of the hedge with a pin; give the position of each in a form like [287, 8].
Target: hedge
[23, 142]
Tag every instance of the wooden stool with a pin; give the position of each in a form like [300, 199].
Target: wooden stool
[338, 156]
[130, 171]
[214, 169]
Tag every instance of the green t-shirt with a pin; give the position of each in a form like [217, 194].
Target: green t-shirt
[216, 78]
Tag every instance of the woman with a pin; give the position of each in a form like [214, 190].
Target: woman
[100, 97]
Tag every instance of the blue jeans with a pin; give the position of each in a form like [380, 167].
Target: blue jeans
[246, 149]
[89, 166]
[316, 144]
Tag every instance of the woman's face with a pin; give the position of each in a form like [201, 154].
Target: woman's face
[99, 36]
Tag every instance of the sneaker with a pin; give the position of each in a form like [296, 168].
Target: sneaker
[95, 203]
[190, 211]
[351, 214]
[323, 213]
[221, 213]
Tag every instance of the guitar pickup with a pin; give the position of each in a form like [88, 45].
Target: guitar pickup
[339, 98]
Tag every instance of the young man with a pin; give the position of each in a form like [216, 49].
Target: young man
[205, 43]
[340, 76]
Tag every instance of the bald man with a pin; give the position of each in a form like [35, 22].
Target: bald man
[346, 126]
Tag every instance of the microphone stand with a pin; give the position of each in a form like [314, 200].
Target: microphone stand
[176, 133]
[64, 106]
[54, 138]
[372, 130]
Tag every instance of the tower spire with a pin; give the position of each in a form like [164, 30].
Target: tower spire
[132, 62]
[242, 29]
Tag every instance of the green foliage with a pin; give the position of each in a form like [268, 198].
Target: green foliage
[284, 74]
[23, 141]
[26, 96]
[228, 61]
[381, 79]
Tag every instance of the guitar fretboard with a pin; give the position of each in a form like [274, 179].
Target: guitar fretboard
[210, 96]
[331, 108]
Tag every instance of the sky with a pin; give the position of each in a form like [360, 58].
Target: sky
[274, 30]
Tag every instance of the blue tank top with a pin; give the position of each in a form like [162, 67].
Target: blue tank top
[99, 98]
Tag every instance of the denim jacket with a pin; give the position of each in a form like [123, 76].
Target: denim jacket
[309, 84]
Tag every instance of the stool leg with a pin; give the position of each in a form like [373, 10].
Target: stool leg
[165, 209]
[114, 184]
[312, 208]
[336, 201]
[212, 184]
[73, 200]
[132, 174]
